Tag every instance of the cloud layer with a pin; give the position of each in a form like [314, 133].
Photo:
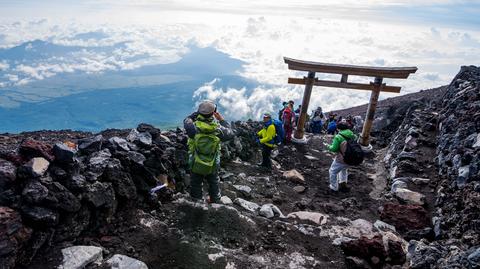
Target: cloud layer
[117, 35]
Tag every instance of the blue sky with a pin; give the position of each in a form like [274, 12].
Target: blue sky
[94, 37]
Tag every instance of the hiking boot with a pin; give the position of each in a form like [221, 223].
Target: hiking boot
[332, 188]
[342, 186]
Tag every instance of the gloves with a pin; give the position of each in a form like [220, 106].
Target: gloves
[257, 140]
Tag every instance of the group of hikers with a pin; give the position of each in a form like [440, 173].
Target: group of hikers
[206, 129]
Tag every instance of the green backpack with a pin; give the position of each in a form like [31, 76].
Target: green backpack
[204, 148]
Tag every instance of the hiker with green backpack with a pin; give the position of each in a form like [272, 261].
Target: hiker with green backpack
[205, 128]
[349, 153]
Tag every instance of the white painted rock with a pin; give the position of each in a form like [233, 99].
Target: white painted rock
[315, 217]
[250, 206]
[270, 211]
[398, 184]
[419, 180]
[124, 262]
[77, 257]
[382, 226]
[409, 196]
[294, 175]
[243, 188]
[226, 200]
[38, 166]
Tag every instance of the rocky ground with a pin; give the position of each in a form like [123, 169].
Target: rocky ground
[73, 199]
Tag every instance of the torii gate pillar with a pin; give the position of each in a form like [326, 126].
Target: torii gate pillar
[300, 131]
[372, 106]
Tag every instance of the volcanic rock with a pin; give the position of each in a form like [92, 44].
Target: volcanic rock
[409, 196]
[13, 236]
[90, 144]
[250, 206]
[124, 262]
[78, 257]
[32, 148]
[40, 215]
[8, 173]
[315, 217]
[405, 217]
[63, 153]
[294, 176]
[36, 167]
[119, 143]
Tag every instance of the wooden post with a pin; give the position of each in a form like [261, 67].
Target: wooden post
[299, 132]
[372, 105]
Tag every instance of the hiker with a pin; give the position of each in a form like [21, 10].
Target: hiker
[317, 118]
[205, 129]
[288, 120]
[350, 122]
[348, 152]
[331, 124]
[280, 112]
[266, 138]
[297, 113]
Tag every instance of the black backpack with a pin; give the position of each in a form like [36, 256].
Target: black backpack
[353, 153]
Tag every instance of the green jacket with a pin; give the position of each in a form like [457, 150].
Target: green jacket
[267, 134]
[338, 140]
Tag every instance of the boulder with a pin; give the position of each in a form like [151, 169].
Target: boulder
[13, 236]
[148, 128]
[405, 217]
[140, 138]
[409, 196]
[64, 153]
[250, 206]
[294, 176]
[78, 257]
[100, 194]
[65, 200]
[365, 247]
[119, 143]
[36, 167]
[245, 190]
[90, 144]
[226, 200]
[398, 184]
[299, 189]
[315, 217]
[382, 226]
[40, 215]
[269, 211]
[124, 262]
[121, 180]
[34, 192]
[8, 174]
[32, 148]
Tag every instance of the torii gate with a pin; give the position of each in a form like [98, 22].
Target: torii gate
[345, 70]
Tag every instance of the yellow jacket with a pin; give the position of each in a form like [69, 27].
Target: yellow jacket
[267, 135]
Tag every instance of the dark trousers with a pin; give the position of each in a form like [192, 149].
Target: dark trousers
[196, 186]
[266, 152]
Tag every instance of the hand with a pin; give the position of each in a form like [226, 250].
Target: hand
[257, 140]
[218, 116]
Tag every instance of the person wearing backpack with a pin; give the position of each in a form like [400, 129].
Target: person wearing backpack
[205, 128]
[288, 120]
[266, 138]
[349, 153]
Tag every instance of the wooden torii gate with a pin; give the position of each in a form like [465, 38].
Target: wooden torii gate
[345, 70]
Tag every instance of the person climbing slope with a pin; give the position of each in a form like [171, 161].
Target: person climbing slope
[266, 138]
[348, 152]
[205, 128]
[288, 120]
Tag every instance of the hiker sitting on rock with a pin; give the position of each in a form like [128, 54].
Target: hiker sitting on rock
[266, 137]
[348, 152]
[205, 128]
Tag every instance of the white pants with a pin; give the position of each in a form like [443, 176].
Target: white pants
[338, 173]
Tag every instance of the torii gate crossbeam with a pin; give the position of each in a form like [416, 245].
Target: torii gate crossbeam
[345, 70]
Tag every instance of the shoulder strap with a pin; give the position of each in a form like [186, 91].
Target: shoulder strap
[346, 138]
